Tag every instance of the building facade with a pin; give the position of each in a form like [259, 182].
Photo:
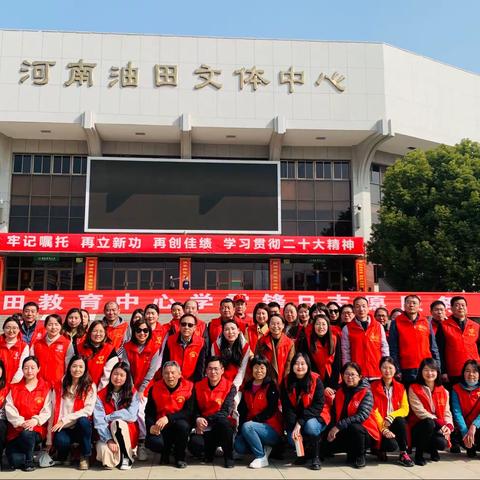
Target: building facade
[333, 114]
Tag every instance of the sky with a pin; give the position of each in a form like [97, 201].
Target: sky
[444, 30]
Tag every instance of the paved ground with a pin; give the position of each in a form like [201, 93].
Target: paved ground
[450, 466]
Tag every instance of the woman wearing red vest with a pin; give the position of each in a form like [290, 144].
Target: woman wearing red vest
[303, 402]
[323, 350]
[234, 351]
[292, 327]
[115, 419]
[73, 328]
[144, 358]
[277, 348]
[53, 351]
[159, 330]
[261, 425]
[466, 407]
[168, 414]
[430, 417]
[259, 327]
[177, 312]
[4, 389]
[28, 408]
[390, 408]
[99, 352]
[13, 350]
[354, 427]
[214, 397]
[187, 349]
[73, 404]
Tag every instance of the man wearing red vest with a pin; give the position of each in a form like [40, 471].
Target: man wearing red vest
[168, 414]
[411, 340]
[32, 329]
[458, 341]
[118, 331]
[214, 397]
[241, 316]
[364, 341]
[438, 314]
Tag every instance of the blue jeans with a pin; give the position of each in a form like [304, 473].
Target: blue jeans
[312, 428]
[81, 433]
[253, 436]
[20, 450]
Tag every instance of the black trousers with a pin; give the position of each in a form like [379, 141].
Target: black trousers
[205, 445]
[399, 428]
[3, 435]
[174, 434]
[427, 437]
[354, 440]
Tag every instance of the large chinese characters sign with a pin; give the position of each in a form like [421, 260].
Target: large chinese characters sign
[208, 301]
[90, 244]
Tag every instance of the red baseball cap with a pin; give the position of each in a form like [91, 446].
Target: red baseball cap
[240, 298]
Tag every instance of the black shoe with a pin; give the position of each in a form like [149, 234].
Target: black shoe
[471, 452]
[28, 467]
[164, 459]
[419, 460]
[208, 459]
[316, 464]
[181, 464]
[229, 463]
[455, 448]
[6, 467]
[300, 460]
[360, 462]
[435, 456]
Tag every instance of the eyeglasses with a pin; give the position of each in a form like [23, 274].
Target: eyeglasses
[351, 375]
[333, 311]
[185, 324]
[141, 330]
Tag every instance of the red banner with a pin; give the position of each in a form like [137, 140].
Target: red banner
[208, 301]
[275, 274]
[361, 274]
[89, 244]
[185, 273]
[91, 266]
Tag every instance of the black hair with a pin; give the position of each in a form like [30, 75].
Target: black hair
[88, 341]
[315, 307]
[381, 308]
[132, 317]
[141, 321]
[260, 306]
[436, 303]
[175, 304]
[231, 353]
[356, 299]
[126, 392]
[388, 359]
[11, 319]
[430, 363]
[353, 365]
[84, 382]
[152, 306]
[31, 304]
[293, 382]
[226, 300]
[3, 378]
[456, 298]
[277, 315]
[469, 363]
[188, 315]
[56, 317]
[328, 335]
[66, 328]
[274, 304]
[33, 358]
[214, 358]
[259, 360]
[346, 305]
[412, 295]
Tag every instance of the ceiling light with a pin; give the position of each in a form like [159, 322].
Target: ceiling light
[45, 131]
[320, 138]
[230, 136]
[411, 148]
[140, 133]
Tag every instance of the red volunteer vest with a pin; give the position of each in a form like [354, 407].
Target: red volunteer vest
[469, 403]
[215, 328]
[413, 341]
[210, 401]
[252, 336]
[38, 333]
[369, 424]
[243, 323]
[52, 359]
[158, 335]
[439, 397]
[167, 402]
[109, 408]
[28, 404]
[187, 357]
[140, 361]
[307, 397]
[231, 369]
[380, 400]
[11, 356]
[459, 346]
[366, 346]
[96, 362]
[322, 361]
[78, 403]
[257, 402]
[265, 347]
[117, 334]
[336, 331]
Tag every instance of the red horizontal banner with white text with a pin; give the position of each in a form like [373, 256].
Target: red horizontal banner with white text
[179, 244]
[208, 301]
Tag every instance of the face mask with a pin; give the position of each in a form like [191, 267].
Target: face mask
[471, 384]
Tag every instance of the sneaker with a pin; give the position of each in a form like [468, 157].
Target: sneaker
[259, 462]
[229, 462]
[219, 452]
[28, 467]
[435, 456]
[405, 460]
[316, 464]
[142, 453]
[420, 461]
[360, 462]
[125, 464]
[181, 464]
[455, 448]
[83, 463]
[471, 452]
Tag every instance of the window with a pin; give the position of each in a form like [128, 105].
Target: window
[47, 194]
[377, 174]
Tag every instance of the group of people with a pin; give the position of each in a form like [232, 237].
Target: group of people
[317, 378]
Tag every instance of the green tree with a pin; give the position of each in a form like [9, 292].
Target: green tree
[428, 236]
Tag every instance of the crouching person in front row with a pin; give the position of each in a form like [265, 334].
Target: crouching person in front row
[115, 419]
[168, 414]
[214, 396]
